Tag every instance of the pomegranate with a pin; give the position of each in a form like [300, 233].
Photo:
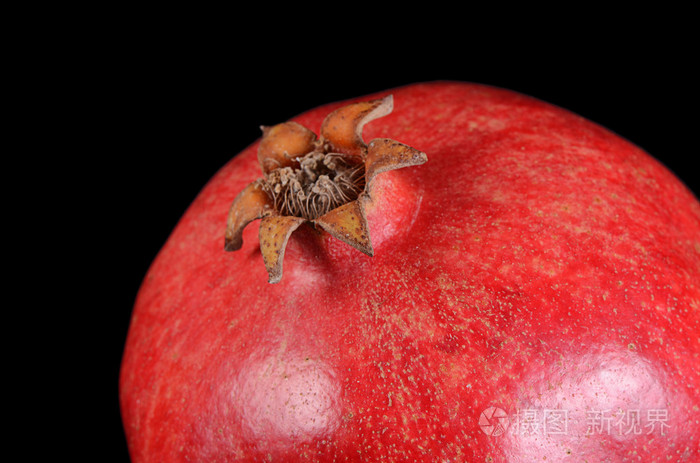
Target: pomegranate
[442, 272]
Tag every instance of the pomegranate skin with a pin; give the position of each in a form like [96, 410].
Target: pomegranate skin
[534, 295]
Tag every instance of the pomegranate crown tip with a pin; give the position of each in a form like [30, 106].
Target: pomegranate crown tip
[322, 180]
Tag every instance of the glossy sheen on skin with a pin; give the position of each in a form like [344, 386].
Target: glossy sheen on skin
[536, 263]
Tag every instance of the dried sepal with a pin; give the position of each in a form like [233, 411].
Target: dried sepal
[384, 154]
[343, 127]
[348, 223]
[282, 143]
[252, 203]
[274, 233]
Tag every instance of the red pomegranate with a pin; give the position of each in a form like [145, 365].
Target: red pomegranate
[459, 273]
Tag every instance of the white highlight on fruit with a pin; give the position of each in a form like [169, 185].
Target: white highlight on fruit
[287, 398]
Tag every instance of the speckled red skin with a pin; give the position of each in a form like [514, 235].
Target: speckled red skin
[535, 262]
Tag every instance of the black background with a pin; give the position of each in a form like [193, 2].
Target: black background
[166, 105]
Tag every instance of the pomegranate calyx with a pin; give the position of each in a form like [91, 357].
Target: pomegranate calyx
[324, 181]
